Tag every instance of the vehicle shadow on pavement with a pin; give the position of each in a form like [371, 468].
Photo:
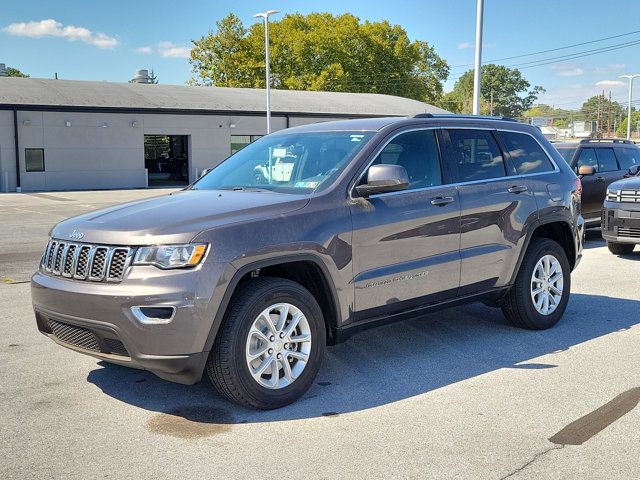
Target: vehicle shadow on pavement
[388, 364]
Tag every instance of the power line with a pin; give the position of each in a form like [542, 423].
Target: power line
[551, 49]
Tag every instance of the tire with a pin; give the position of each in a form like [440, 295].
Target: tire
[518, 305]
[227, 365]
[621, 248]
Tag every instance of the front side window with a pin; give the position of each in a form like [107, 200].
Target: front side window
[525, 153]
[475, 155]
[587, 157]
[628, 157]
[34, 159]
[417, 152]
[606, 160]
[287, 162]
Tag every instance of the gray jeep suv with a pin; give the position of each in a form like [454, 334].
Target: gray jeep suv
[248, 277]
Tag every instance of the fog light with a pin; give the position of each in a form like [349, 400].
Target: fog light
[154, 315]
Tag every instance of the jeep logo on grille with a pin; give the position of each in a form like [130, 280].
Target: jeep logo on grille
[76, 235]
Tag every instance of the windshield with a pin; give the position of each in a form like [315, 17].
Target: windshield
[286, 162]
[567, 153]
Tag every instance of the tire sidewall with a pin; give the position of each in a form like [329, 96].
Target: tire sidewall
[302, 299]
[546, 247]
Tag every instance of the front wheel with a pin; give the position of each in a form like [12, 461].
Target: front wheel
[621, 248]
[540, 294]
[270, 345]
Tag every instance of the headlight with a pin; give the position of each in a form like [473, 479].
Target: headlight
[613, 195]
[171, 256]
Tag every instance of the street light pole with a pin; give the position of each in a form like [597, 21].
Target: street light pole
[630, 77]
[266, 15]
[478, 59]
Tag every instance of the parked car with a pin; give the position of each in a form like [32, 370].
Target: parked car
[609, 160]
[379, 220]
[621, 214]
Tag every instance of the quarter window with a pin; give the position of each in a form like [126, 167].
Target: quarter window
[34, 159]
[417, 152]
[476, 155]
[525, 153]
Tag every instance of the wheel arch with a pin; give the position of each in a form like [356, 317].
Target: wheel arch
[556, 229]
[305, 269]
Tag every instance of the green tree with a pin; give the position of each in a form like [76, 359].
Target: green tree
[504, 91]
[635, 123]
[590, 108]
[14, 72]
[153, 78]
[320, 51]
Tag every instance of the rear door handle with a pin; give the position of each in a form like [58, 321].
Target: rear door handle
[441, 201]
[518, 189]
[600, 179]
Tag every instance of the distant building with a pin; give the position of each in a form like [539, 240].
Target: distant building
[67, 135]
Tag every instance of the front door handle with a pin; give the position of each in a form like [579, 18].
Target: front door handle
[518, 189]
[600, 179]
[441, 201]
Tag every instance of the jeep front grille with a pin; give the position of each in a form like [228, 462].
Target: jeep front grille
[630, 232]
[624, 195]
[96, 263]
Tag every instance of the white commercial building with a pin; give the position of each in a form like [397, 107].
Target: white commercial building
[68, 135]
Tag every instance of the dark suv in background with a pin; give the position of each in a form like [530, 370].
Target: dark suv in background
[357, 223]
[599, 162]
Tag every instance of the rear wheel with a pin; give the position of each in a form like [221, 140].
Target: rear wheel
[620, 248]
[270, 345]
[540, 293]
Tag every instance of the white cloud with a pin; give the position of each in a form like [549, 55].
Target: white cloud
[464, 45]
[614, 67]
[567, 70]
[171, 50]
[52, 28]
[610, 83]
[145, 50]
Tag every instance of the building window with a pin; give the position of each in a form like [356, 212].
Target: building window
[238, 142]
[34, 159]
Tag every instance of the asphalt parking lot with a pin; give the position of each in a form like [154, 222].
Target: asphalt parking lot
[457, 394]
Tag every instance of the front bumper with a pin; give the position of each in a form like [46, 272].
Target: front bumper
[95, 318]
[621, 222]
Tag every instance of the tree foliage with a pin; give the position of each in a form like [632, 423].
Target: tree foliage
[635, 125]
[320, 51]
[14, 72]
[590, 107]
[504, 91]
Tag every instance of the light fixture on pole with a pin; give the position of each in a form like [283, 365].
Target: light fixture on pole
[266, 15]
[478, 60]
[630, 77]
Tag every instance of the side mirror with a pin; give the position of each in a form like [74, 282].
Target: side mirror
[586, 170]
[384, 178]
[204, 172]
[634, 170]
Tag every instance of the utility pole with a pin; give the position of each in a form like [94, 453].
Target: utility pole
[598, 116]
[609, 116]
[491, 103]
[478, 59]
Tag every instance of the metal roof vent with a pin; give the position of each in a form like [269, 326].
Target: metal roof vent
[3, 70]
[141, 76]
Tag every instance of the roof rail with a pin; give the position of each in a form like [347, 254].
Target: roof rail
[465, 116]
[606, 140]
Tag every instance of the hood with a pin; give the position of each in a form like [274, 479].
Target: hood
[174, 218]
[631, 183]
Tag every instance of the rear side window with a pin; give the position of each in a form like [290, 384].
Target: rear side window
[628, 157]
[475, 155]
[606, 160]
[526, 154]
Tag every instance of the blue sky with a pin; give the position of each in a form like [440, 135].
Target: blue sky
[109, 40]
